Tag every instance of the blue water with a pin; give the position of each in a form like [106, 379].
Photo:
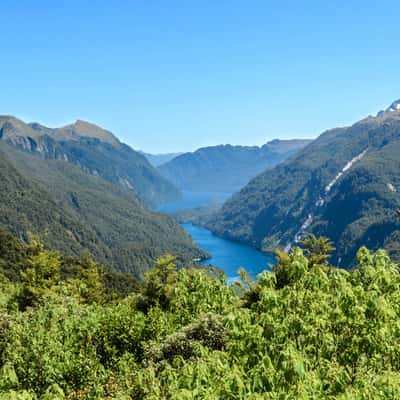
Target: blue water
[191, 200]
[229, 256]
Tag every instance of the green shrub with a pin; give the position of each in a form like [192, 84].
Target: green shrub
[302, 331]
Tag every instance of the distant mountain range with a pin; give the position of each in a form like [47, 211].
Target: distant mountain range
[226, 168]
[95, 150]
[158, 159]
[76, 211]
[344, 185]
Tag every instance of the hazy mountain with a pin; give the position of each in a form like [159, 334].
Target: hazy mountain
[158, 159]
[95, 150]
[344, 185]
[80, 211]
[226, 168]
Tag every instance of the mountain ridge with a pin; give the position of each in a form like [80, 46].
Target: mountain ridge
[77, 130]
[338, 186]
[95, 150]
[226, 168]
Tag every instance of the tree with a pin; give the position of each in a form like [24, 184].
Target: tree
[248, 288]
[317, 249]
[88, 284]
[159, 283]
[42, 274]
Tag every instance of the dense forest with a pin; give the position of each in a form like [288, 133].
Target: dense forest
[344, 185]
[78, 212]
[71, 329]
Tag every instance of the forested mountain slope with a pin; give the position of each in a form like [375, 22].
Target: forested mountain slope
[80, 211]
[226, 168]
[344, 185]
[95, 150]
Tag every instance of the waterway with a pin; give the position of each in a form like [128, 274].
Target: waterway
[228, 255]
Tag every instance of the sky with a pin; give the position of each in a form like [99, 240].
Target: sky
[167, 76]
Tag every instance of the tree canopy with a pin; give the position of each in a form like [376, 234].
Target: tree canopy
[312, 331]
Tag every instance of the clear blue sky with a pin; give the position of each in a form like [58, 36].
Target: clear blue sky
[177, 75]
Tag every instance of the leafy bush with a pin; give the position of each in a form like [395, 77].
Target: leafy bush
[304, 330]
[209, 331]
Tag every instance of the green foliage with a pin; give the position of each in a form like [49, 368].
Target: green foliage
[13, 395]
[317, 250]
[42, 273]
[209, 331]
[54, 392]
[93, 282]
[359, 209]
[13, 254]
[159, 283]
[89, 282]
[8, 378]
[303, 331]
[248, 289]
[84, 213]
[290, 267]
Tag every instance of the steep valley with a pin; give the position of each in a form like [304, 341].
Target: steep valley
[344, 185]
[76, 212]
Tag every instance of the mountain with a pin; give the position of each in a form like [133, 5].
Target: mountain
[395, 106]
[96, 150]
[81, 212]
[226, 168]
[159, 159]
[344, 185]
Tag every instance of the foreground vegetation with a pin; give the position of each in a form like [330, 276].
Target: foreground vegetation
[303, 331]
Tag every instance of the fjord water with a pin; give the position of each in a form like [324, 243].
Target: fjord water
[191, 200]
[227, 255]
